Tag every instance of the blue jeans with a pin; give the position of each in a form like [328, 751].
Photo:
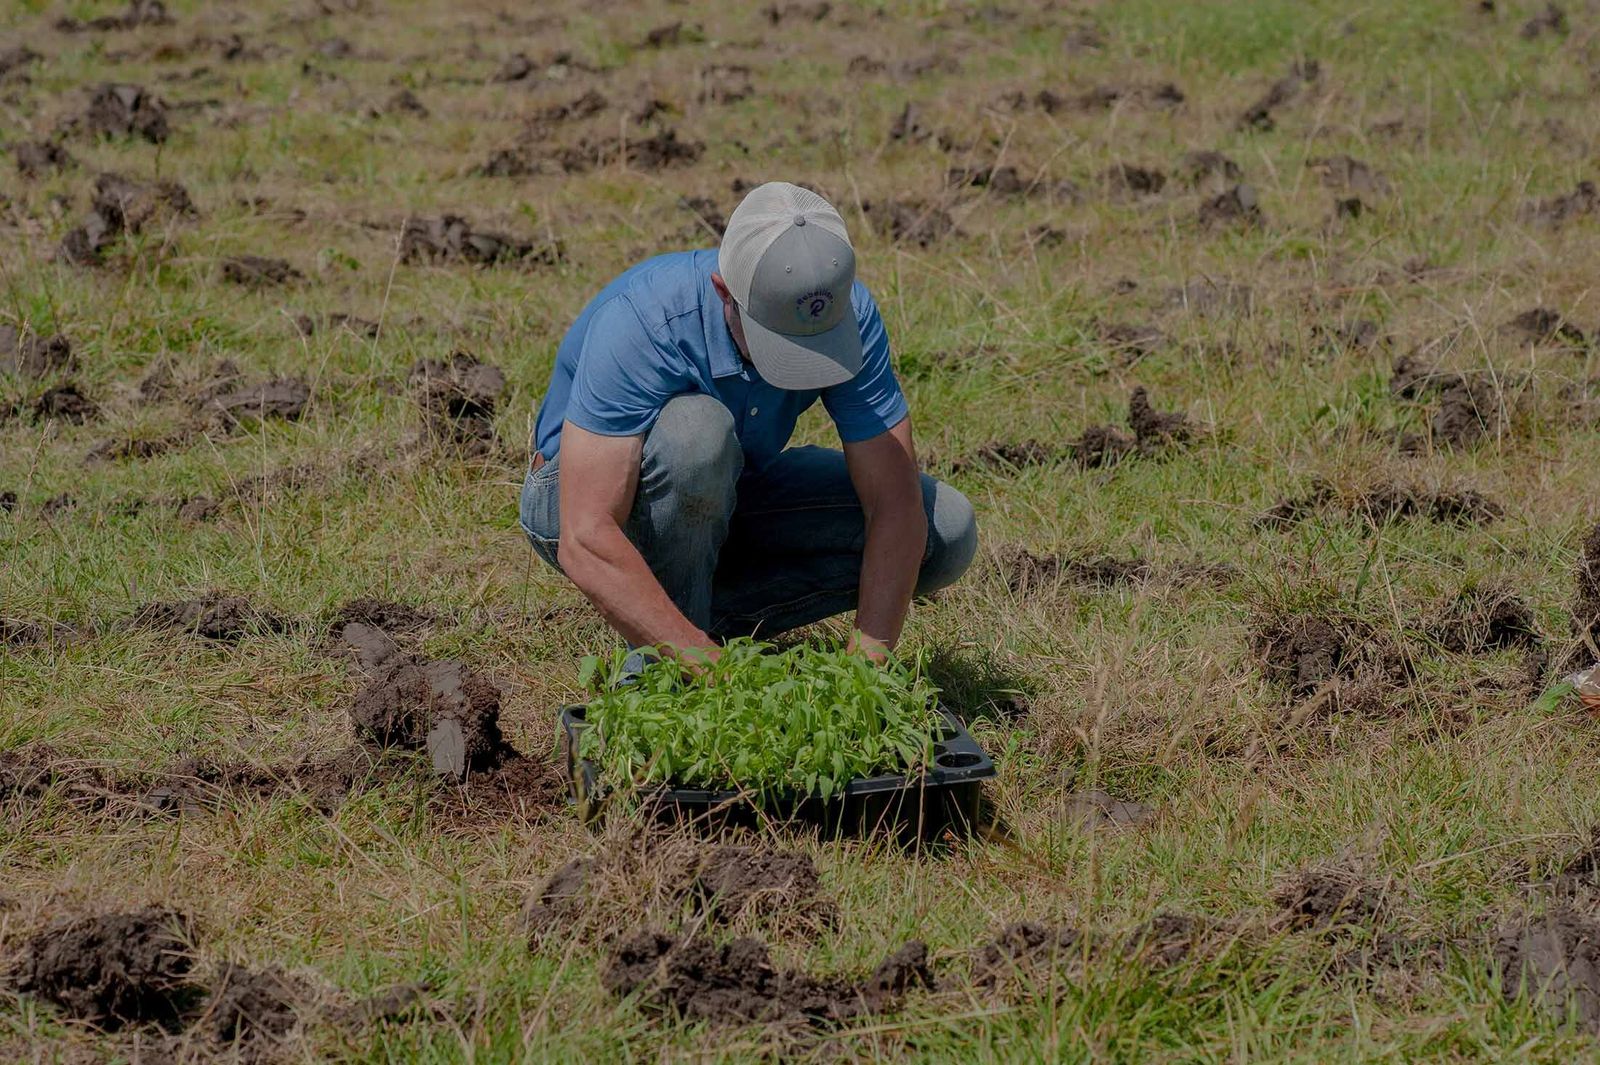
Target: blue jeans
[751, 553]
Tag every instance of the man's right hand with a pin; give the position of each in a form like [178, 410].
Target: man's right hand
[599, 479]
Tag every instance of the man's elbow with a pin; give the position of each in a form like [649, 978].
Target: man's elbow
[576, 556]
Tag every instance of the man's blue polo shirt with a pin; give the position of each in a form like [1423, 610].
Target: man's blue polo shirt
[658, 331]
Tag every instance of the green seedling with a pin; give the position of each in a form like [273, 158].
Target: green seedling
[775, 724]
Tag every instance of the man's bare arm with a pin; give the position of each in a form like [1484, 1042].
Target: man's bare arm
[884, 473]
[599, 478]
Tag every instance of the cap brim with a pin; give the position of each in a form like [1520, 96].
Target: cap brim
[802, 363]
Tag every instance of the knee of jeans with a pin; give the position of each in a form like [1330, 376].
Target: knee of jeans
[952, 539]
[694, 445]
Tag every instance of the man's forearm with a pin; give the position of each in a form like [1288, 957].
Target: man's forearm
[609, 570]
[889, 566]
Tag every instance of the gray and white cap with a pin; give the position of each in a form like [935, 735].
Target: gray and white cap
[787, 260]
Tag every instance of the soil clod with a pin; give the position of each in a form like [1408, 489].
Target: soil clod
[742, 881]
[123, 205]
[905, 221]
[1155, 430]
[1239, 205]
[442, 707]
[1097, 809]
[31, 355]
[1555, 961]
[35, 159]
[1261, 115]
[127, 111]
[458, 399]
[451, 238]
[65, 402]
[282, 397]
[255, 271]
[223, 618]
[115, 968]
[1542, 325]
[1327, 897]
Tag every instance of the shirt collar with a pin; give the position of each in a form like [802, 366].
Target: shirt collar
[722, 352]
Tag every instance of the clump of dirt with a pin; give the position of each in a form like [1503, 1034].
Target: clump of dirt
[813, 11]
[367, 629]
[1349, 174]
[223, 618]
[1557, 211]
[737, 882]
[1152, 95]
[121, 448]
[1238, 205]
[1260, 115]
[35, 159]
[442, 707]
[280, 397]
[138, 13]
[307, 326]
[404, 102]
[1467, 406]
[1552, 20]
[736, 983]
[65, 402]
[659, 151]
[707, 214]
[906, 221]
[1129, 181]
[1327, 898]
[31, 355]
[16, 57]
[1338, 657]
[1101, 446]
[248, 1005]
[451, 238]
[15, 632]
[1210, 171]
[114, 968]
[1000, 180]
[123, 205]
[1097, 809]
[1003, 455]
[1554, 960]
[1154, 430]
[1484, 619]
[255, 271]
[1026, 571]
[126, 111]
[1136, 341]
[1032, 954]
[458, 399]
[1542, 325]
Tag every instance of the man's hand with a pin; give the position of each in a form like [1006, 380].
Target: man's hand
[599, 478]
[873, 650]
[884, 473]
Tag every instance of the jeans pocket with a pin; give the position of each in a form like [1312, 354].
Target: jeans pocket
[539, 510]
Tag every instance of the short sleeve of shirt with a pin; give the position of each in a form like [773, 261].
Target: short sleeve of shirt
[870, 403]
[624, 376]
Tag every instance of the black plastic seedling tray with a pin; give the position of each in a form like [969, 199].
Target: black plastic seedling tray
[942, 799]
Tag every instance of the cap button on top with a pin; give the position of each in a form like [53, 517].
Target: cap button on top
[799, 219]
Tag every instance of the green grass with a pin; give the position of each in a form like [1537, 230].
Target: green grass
[1459, 796]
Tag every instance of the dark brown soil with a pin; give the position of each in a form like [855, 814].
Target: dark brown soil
[458, 399]
[1384, 502]
[65, 403]
[36, 159]
[1155, 430]
[1210, 171]
[1101, 446]
[442, 707]
[1152, 96]
[247, 1005]
[736, 983]
[120, 448]
[307, 326]
[1135, 341]
[255, 271]
[126, 111]
[659, 151]
[906, 221]
[1557, 211]
[720, 83]
[999, 180]
[15, 57]
[707, 215]
[122, 205]
[1349, 175]
[8, 501]
[1034, 954]
[1326, 898]
[224, 618]
[1342, 657]
[1128, 181]
[1542, 325]
[199, 784]
[1238, 205]
[738, 881]
[1554, 960]
[58, 504]
[1484, 619]
[115, 968]
[404, 102]
[138, 13]
[813, 11]
[396, 618]
[25, 352]
[1260, 115]
[552, 906]
[1552, 20]
[998, 454]
[283, 398]
[451, 239]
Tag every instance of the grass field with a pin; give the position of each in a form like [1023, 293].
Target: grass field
[1276, 781]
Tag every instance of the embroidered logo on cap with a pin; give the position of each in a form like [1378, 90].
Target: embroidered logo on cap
[813, 306]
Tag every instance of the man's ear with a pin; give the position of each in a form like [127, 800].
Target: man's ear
[722, 287]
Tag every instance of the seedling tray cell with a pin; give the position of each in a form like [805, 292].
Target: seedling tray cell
[926, 806]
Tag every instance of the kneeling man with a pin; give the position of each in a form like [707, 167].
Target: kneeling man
[661, 484]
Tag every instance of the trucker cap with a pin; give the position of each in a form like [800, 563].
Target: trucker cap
[787, 260]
